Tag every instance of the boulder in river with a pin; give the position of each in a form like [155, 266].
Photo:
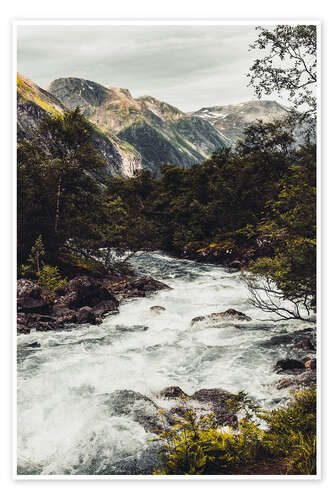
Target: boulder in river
[33, 345]
[85, 291]
[138, 407]
[305, 344]
[157, 309]
[284, 383]
[202, 402]
[289, 364]
[139, 287]
[86, 315]
[228, 315]
[172, 392]
[277, 340]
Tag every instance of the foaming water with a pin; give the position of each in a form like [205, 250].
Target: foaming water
[63, 425]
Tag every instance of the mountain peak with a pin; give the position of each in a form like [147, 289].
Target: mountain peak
[232, 119]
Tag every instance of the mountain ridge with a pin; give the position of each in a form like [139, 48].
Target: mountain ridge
[145, 122]
[33, 103]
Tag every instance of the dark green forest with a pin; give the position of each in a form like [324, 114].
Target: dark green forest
[214, 210]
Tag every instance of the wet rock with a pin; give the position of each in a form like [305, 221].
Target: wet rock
[157, 309]
[216, 397]
[277, 340]
[138, 288]
[28, 304]
[86, 315]
[289, 364]
[304, 331]
[215, 401]
[138, 407]
[34, 345]
[85, 291]
[230, 314]
[284, 383]
[172, 392]
[305, 344]
[307, 378]
[236, 264]
[27, 288]
[105, 307]
[311, 364]
[23, 329]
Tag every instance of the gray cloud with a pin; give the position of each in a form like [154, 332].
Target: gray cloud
[187, 66]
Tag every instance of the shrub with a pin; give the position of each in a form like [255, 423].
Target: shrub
[196, 445]
[50, 279]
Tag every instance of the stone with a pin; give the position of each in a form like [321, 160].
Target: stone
[157, 309]
[311, 364]
[277, 340]
[27, 288]
[23, 329]
[172, 392]
[305, 344]
[289, 364]
[86, 315]
[138, 288]
[84, 291]
[34, 344]
[284, 383]
[214, 401]
[229, 314]
[30, 304]
[105, 307]
[139, 407]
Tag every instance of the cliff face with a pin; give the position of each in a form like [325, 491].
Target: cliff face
[160, 132]
[33, 103]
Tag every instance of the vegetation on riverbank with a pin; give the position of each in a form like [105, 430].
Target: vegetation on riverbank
[286, 436]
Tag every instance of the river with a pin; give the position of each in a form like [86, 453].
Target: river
[63, 427]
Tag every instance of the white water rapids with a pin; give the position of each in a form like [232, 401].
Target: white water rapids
[62, 426]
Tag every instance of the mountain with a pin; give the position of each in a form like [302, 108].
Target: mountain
[232, 119]
[160, 132]
[34, 102]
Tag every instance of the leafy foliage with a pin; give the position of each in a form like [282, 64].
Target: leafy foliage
[196, 445]
[50, 279]
[288, 64]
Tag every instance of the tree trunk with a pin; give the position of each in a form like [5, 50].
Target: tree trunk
[56, 224]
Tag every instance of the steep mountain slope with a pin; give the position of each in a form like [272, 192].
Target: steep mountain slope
[231, 120]
[159, 131]
[33, 103]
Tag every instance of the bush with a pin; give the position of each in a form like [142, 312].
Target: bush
[50, 279]
[196, 445]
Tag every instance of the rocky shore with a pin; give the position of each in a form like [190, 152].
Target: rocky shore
[83, 299]
[232, 255]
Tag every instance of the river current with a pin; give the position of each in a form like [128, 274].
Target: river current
[63, 427]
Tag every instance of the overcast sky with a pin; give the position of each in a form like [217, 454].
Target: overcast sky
[187, 66]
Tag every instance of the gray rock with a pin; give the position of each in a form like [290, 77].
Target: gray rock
[138, 407]
[229, 315]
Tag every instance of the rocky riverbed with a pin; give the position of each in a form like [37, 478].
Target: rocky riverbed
[89, 394]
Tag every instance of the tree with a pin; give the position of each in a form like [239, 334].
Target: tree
[59, 194]
[290, 275]
[288, 64]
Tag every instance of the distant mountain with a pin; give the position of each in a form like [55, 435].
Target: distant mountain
[160, 132]
[34, 102]
[231, 120]
[132, 134]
